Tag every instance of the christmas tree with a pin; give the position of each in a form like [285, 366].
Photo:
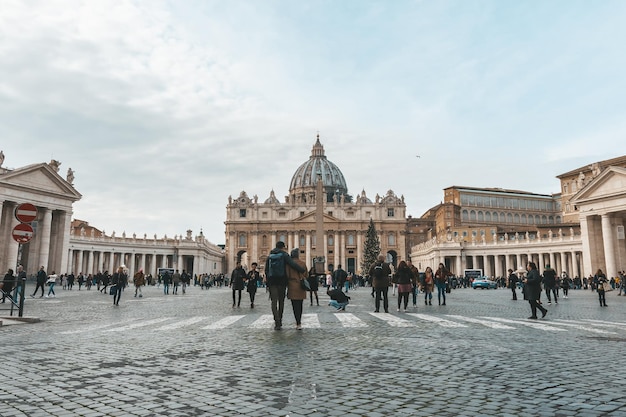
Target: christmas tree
[372, 248]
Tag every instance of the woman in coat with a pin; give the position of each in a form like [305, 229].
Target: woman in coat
[119, 280]
[600, 282]
[404, 277]
[533, 290]
[428, 285]
[295, 292]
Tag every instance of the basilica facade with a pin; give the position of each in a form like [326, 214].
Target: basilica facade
[253, 227]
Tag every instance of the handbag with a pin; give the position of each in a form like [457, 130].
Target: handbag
[304, 283]
[112, 290]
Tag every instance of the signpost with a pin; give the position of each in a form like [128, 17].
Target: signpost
[26, 213]
[22, 233]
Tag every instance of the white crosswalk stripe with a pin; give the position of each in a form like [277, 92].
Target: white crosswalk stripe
[569, 323]
[392, 320]
[182, 323]
[223, 323]
[436, 319]
[137, 324]
[493, 325]
[263, 322]
[349, 320]
[311, 321]
[528, 323]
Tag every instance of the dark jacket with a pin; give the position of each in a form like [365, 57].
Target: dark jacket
[340, 276]
[549, 278]
[253, 281]
[120, 279]
[380, 277]
[533, 285]
[281, 280]
[42, 277]
[236, 278]
[513, 280]
[404, 275]
[338, 296]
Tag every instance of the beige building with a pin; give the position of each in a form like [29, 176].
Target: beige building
[65, 246]
[497, 229]
[253, 227]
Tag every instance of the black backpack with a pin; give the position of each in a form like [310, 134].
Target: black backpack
[276, 265]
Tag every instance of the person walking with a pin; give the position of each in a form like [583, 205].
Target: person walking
[119, 280]
[253, 282]
[340, 277]
[566, 283]
[428, 285]
[549, 284]
[441, 281]
[185, 280]
[295, 292]
[414, 288]
[237, 278]
[276, 280]
[532, 290]
[379, 273]
[167, 280]
[513, 283]
[52, 280]
[139, 280]
[600, 282]
[404, 277]
[7, 284]
[41, 281]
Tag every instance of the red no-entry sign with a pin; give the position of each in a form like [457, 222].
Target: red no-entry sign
[22, 233]
[26, 213]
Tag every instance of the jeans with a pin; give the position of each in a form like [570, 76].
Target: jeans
[51, 289]
[414, 292]
[441, 290]
[166, 288]
[347, 285]
[601, 297]
[117, 294]
[277, 297]
[337, 305]
[514, 293]
[384, 294]
[239, 300]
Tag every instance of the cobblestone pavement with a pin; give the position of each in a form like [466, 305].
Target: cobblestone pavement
[192, 355]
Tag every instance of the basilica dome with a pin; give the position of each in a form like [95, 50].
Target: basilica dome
[304, 180]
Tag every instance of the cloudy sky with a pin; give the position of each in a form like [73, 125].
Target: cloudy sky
[165, 108]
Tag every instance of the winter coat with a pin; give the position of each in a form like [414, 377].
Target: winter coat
[404, 276]
[294, 288]
[383, 281]
[236, 278]
[533, 285]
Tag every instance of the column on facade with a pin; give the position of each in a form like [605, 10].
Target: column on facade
[12, 245]
[336, 254]
[552, 260]
[63, 238]
[111, 262]
[179, 263]
[89, 269]
[541, 264]
[131, 267]
[573, 271]
[255, 249]
[324, 245]
[359, 251]
[561, 262]
[585, 224]
[459, 265]
[608, 238]
[307, 243]
[81, 259]
[44, 231]
[342, 249]
[498, 265]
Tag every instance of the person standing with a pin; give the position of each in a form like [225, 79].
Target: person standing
[276, 280]
[295, 292]
[379, 273]
[566, 283]
[119, 280]
[139, 280]
[52, 280]
[532, 290]
[428, 285]
[167, 279]
[185, 279]
[253, 282]
[513, 283]
[549, 284]
[600, 281]
[441, 280]
[41, 281]
[339, 277]
[175, 281]
[414, 279]
[403, 278]
[314, 284]
[237, 278]
[7, 285]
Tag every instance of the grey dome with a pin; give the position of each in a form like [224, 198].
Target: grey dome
[305, 177]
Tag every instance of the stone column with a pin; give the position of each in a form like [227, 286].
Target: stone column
[609, 246]
[459, 265]
[307, 243]
[111, 263]
[81, 259]
[359, 252]
[90, 263]
[585, 225]
[552, 261]
[342, 248]
[131, 268]
[44, 238]
[12, 245]
[64, 238]
[179, 263]
[498, 265]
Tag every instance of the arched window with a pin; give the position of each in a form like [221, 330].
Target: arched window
[558, 219]
[516, 218]
[242, 240]
[509, 218]
[551, 219]
[391, 239]
[544, 219]
[472, 216]
[531, 219]
[464, 215]
[481, 217]
[264, 241]
[524, 219]
[488, 216]
[495, 217]
[537, 219]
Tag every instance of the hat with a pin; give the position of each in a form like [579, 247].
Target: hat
[280, 244]
[295, 253]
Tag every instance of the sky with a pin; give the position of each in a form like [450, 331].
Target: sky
[165, 108]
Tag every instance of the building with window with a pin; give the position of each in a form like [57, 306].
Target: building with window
[253, 227]
[495, 229]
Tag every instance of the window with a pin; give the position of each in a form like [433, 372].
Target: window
[242, 240]
[464, 234]
[330, 213]
[473, 215]
[302, 241]
[350, 240]
[488, 216]
[301, 213]
[391, 240]
[242, 212]
[331, 240]
[481, 216]
[464, 215]
[509, 218]
[264, 215]
[390, 212]
[283, 238]
[282, 214]
[264, 241]
[524, 219]
[516, 218]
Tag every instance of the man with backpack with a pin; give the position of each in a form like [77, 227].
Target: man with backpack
[379, 273]
[276, 279]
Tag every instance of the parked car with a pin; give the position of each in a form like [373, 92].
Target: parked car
[484, 282]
